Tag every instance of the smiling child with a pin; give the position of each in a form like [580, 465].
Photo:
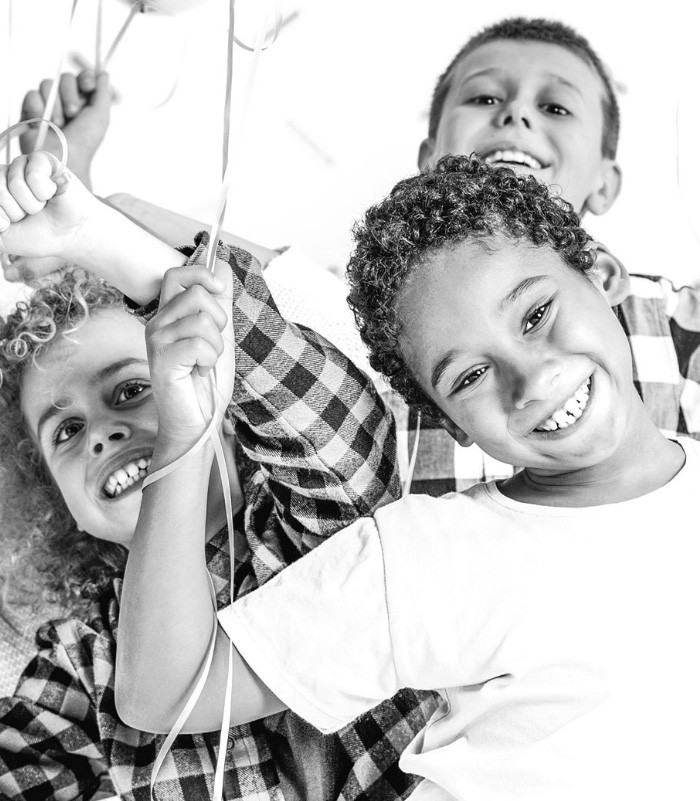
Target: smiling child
[545, 609]
[91, 400]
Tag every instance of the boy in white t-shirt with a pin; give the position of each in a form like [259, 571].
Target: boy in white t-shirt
[554, 611]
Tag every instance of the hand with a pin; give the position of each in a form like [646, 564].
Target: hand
[42, 209]
[190, 335]
[81, 111]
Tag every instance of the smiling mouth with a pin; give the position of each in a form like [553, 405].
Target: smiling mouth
[126, 476]
[513, 158]
[569, 412]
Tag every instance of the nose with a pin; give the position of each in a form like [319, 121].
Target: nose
[535, 381]
[514, 112]
[102, 435]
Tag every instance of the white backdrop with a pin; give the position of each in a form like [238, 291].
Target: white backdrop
[340, 106]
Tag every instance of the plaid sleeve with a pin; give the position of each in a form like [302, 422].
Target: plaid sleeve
[662, 323]
[49, 743]
[310, 420]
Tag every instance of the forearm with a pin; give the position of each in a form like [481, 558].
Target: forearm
[166, 615]
[124, 254]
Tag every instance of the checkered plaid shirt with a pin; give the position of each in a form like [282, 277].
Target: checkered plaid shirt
[316, 449]
[662, 324]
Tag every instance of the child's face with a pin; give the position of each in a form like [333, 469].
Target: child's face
[536, 108]
[88, 404]
[504, 342]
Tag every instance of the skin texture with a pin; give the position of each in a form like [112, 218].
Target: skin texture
[102, 422]
[538, 98]
[508, 362]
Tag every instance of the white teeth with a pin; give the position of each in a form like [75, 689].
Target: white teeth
[513, 157]
[125, 476]
[569, 412]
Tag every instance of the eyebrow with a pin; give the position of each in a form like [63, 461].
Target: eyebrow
[520, 289]
[441, 366]
[564, 82]
[60, 405]
[498, 71]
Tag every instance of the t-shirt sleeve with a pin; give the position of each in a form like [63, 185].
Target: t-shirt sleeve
[318, 633]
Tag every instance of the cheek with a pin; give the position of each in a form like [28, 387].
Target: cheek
[457, 130]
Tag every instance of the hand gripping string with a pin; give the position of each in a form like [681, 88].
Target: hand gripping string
[215, 231]
[6, 258]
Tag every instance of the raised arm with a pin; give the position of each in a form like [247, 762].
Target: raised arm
[325, 446]
[46, 212]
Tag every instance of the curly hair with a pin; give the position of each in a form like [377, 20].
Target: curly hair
[462, 198]
[546, 31]
[43, 555]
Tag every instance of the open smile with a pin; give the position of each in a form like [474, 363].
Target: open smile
[513, 157]
[126, 476]
[569, 413]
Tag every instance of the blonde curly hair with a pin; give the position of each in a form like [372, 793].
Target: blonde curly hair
[43, 555]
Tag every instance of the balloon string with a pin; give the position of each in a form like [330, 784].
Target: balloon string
[63, 160]
[53, 93]
[214, 236]
[8, 50]
[134, 11]
[98, 39]
[191, 701]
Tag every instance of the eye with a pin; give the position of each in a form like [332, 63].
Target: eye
[483, 100]
[67, 430]
[129, 390]
[470, 378]
[556, 109]
[536, 317]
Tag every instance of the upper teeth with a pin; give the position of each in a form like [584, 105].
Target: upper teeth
[125, 476]
[513, 157]
[570, 411]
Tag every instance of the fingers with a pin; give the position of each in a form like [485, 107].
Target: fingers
[178, 279]
[57, 116]
[101, 96]
[32, 105]
[87, 83]
[188, 343]
[186, 333]
[71, 100]
[26, 185]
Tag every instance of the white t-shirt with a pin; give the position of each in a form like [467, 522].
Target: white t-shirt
[564, 642]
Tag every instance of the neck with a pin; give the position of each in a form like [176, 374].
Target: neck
[643, 462]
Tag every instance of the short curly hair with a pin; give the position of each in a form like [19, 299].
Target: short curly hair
[461, 199]
[43, 556]
[547, 31]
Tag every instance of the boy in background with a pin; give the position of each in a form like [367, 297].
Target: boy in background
[533, 95]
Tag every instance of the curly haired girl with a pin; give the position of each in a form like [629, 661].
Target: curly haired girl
[44, 553]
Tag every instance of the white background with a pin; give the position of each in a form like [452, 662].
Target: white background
[340, 107]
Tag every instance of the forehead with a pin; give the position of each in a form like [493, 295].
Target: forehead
[458, 297]
[74, 361]
[531, 62]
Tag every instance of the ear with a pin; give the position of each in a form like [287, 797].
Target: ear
[605, 194]
[461, 437]
[610, 275]
[425, 154]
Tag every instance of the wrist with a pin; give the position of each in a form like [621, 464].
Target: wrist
[171, 446]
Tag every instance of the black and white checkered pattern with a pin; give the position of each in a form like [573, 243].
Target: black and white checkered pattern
[316, 449]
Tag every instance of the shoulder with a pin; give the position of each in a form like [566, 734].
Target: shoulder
[423, 523]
